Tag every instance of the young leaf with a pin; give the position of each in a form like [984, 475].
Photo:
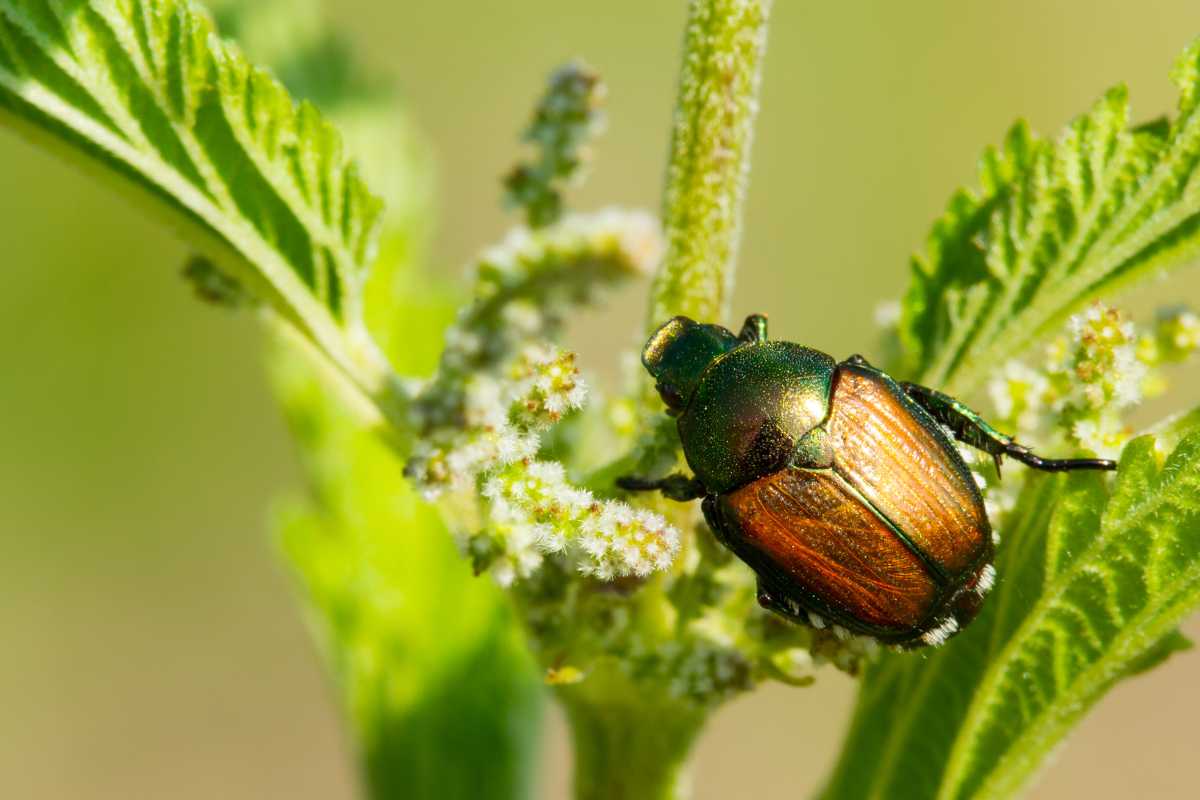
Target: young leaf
[1053, 225]
[1093, 582]
[147, 89]
[428, 659]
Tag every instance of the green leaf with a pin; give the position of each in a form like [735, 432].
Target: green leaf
[260, 184]
[315, 63]
[1093, 580]
[1053, 225]
[428, 658]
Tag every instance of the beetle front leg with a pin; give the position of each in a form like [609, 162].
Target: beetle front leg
[673, 487]
[971, 429]
[754, 329]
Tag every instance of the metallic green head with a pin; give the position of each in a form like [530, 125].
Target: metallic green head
[677, 355]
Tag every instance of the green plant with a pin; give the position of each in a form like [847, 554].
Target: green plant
[639, 622]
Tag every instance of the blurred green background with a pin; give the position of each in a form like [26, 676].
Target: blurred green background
[151, 643]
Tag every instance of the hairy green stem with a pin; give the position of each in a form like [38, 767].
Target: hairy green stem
[631, 736]
[631, 739]
[723, 49]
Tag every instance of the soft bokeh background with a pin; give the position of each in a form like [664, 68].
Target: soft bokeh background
[150, 645]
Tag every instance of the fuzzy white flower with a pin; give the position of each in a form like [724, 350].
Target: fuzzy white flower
[537, 509]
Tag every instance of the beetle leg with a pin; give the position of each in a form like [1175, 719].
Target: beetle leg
[754, 329]
[971, 429]
[673, 487]
[771, 600]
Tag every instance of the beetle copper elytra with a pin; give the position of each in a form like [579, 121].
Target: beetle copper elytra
[839, 486]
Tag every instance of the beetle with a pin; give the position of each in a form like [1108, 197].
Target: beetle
[839, 486]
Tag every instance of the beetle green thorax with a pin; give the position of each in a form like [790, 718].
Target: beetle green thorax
[679, 352]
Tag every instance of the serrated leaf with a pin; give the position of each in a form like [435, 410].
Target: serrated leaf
[1093, 583]
[147, 89]
[428, 658]
[1052, 225]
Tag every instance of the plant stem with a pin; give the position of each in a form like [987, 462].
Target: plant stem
[631, 738]
[723, 49]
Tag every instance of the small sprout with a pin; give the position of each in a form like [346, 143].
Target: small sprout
[567, 117]
[794, 666]
[1176, 337]
[566, 675]
[212, 285]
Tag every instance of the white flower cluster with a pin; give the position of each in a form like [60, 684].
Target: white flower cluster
[500, 420]
[1019, 395]
[1176, 337]
[546, 386]
[706, 671]
[535, 511]
[1093, 374]
[1097, 375]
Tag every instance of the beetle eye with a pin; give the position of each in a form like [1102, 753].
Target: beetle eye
[670, 396]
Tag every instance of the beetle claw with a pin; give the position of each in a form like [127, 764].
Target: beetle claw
[782, 605]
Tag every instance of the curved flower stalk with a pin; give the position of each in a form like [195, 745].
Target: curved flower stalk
[523, 290]
[567, 117]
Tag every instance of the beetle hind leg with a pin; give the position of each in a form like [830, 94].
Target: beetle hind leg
[971, 429]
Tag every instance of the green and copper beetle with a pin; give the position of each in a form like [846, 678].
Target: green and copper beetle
[840, 487]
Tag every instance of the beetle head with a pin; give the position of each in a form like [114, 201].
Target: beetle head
[677, 355]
